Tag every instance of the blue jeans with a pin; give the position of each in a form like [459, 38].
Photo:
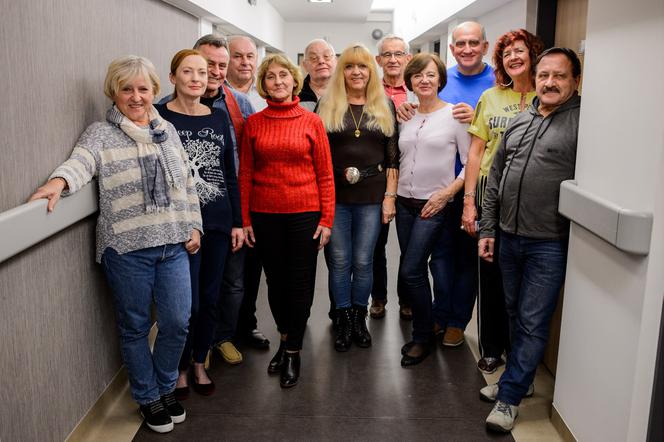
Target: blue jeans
[453, 268]
[417, 237]
[533, 274]
[207, 270]
[350, 253]
[232, 291]
[159, 274]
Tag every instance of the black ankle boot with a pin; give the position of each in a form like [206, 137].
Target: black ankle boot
[342, 338]
[360, 334]
[277, 360]
[290, 370]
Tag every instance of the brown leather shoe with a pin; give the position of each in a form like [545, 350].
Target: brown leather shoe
[453, 337]
[405, 313]
[377, 309]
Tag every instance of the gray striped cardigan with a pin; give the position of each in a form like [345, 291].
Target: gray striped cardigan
[107, 153]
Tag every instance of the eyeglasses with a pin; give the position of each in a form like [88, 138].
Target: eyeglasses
[460, 44]
[397, 54]
[317, 58]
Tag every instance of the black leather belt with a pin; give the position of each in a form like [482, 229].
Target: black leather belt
[353, 175]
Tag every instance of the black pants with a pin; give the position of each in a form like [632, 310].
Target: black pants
[288, 252]
[247, 321]
[492, 321]
[379, 288]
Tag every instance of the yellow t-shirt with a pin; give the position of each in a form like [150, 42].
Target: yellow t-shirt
[493, 113]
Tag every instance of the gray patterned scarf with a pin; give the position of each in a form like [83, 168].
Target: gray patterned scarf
[160, 163]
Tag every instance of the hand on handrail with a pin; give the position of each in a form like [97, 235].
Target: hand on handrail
[51, 191]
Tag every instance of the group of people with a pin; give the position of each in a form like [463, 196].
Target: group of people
[199, 193]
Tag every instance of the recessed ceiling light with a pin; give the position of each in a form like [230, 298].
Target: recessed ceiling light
[320, 1]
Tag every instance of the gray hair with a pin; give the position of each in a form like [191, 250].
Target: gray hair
[216, 40]
[318, 40]
[460, 25]
[380, 43]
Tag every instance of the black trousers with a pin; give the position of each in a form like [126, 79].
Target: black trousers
[286, 247]
[253, 267]
[492, 321]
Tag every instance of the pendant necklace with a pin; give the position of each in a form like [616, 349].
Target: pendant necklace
[357, 123]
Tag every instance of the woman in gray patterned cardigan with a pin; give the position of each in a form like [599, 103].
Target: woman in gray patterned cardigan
[149, 219]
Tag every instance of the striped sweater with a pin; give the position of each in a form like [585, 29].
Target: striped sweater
[107, 153]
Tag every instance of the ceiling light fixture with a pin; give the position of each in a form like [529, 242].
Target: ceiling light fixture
[320, 1]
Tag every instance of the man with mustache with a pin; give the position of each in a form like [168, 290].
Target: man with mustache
[537, 153]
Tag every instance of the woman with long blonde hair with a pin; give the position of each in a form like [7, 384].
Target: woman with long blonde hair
[360, 124]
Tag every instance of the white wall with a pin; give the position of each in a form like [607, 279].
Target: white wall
[339, 34]
[412, 18]
[613, 301]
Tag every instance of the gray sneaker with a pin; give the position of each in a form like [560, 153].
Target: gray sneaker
[502, 417]
[490, 392]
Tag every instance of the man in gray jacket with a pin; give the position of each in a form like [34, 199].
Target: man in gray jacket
[537, 153]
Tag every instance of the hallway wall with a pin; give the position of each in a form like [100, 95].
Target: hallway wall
[59, 348]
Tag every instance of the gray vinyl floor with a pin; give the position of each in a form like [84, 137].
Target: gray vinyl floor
[361, 395]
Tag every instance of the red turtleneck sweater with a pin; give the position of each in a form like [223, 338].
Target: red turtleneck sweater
[285, 163]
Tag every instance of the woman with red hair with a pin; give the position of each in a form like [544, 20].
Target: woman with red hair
[514, 59]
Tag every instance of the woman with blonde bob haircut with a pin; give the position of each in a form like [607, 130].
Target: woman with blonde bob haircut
[287, 193]
[149, 220]
[361, 127]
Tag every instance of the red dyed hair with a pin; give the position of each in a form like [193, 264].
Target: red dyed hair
[532, 42]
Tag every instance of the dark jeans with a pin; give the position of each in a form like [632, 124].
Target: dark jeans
[417, 237]
[533, 274]
[492, 323]
[453, 267]
[379, 287]
[252, 278]
[158, 275]
[232, 293]
[207, 269]
[288, 251]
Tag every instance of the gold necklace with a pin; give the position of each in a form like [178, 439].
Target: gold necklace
[357, 124]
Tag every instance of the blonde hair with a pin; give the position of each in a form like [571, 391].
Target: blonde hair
[283, 61]
[124, 69]
[334, 104]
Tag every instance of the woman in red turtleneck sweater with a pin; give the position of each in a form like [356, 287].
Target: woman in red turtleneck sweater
[287, 194]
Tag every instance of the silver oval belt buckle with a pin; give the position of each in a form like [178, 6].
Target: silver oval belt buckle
[352, 174]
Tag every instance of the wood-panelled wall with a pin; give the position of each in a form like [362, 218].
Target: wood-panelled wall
[59, 342]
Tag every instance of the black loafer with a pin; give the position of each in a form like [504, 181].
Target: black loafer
[290, 370]
[257, 340]
[408, 360]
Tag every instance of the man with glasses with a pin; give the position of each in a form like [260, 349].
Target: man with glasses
[319, 63]
[393, 56]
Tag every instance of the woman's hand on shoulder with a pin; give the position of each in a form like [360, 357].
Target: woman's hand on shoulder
[193, 244]
[237, 238]
[249, 238]
[50, 191]
[323, 233]
[463, 113]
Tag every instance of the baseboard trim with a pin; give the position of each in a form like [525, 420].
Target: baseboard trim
[560, 425]
[101, 411]
[101, 408]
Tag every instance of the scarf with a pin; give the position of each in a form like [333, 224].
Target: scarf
[160, 164]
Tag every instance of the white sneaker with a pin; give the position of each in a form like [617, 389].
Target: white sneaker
[490, 392]
[502, 417]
